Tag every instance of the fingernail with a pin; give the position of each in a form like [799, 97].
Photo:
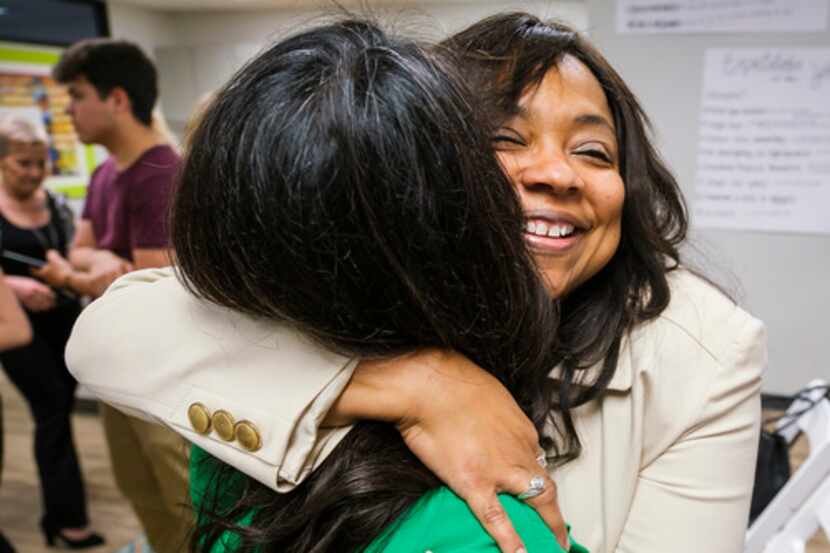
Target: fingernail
[521, 550]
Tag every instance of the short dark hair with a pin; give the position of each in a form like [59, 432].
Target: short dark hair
[343, 182]
[108, 63]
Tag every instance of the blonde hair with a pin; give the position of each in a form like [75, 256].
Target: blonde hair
[202, 105]
[16, 129]
[159, 124]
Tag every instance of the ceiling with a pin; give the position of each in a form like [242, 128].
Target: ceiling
[235, 5]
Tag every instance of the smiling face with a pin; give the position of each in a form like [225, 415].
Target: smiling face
[561, 153]
[24, 168]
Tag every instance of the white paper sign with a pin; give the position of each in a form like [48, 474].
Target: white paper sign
[702, 16]
[764, 146]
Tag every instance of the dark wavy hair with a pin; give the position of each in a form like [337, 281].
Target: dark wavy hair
[343, 182]
[504, 56]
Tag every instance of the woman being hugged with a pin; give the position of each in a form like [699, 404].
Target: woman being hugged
[660, 370]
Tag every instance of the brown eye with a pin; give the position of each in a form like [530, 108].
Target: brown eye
[507, 137]
[596, 154]
[504, 139]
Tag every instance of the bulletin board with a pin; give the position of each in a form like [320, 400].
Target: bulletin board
[27, 90]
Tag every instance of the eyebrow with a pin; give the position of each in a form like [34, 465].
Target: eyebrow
[592, 119]
[588, 119]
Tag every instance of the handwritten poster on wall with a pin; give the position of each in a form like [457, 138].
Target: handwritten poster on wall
[764, 146]
[703, 16]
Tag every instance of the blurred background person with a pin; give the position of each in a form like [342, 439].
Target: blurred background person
[32, 222]
[113, 87]
[15, 331]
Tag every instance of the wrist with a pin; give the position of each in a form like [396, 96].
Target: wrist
[382, 389]
[68, 280]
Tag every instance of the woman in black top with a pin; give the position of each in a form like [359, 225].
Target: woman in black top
[32, 222]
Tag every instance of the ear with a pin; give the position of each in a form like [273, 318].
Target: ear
[120, 100]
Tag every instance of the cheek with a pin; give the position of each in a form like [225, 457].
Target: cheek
[608, 207]
[84, 112]
[608, 203]
[510, 166]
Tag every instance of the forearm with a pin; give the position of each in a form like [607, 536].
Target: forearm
[83, 258]
[13, 283]
[201, 353]
[365, 397]
[382, 389]
[14, 326]
[14, 334]
[82, 283]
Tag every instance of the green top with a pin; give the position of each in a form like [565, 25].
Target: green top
[440, 522]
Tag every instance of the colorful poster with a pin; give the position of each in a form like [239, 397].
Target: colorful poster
[28, 90]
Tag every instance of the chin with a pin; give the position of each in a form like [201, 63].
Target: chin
[84, 136]
[554, 285]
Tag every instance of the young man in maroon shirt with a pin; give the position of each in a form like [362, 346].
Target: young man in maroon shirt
[113, 89]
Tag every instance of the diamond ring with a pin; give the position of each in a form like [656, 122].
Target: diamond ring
[536, 487]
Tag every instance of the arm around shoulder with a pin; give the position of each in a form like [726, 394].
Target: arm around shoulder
[152, 349]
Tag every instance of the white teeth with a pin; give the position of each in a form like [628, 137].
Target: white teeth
[540, 228]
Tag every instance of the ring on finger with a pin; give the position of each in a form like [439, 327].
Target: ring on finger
[534, 488]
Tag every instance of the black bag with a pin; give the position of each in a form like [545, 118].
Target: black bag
[772, 471]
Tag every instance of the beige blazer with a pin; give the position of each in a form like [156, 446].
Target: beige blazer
[669, 452]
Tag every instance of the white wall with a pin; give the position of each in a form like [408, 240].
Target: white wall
[148, 28]
[197, 52]
[781, 278]
[427, 20]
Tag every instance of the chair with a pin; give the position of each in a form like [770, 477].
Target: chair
[802, 506]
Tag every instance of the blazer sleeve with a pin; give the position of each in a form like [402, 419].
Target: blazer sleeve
[153, 350]
[696, 479]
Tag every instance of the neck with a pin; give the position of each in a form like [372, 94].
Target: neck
[32, 202]
[129, 141]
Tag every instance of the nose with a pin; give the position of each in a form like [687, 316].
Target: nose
[37, 172]
[550, 170]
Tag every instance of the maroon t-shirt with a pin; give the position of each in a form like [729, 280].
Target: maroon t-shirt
[128, 209]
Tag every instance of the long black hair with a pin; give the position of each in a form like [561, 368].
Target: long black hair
[504, 56]
[342, 182]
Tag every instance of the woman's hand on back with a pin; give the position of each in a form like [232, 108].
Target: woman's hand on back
[463, 425]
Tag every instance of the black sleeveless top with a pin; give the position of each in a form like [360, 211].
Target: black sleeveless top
[55, 235]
